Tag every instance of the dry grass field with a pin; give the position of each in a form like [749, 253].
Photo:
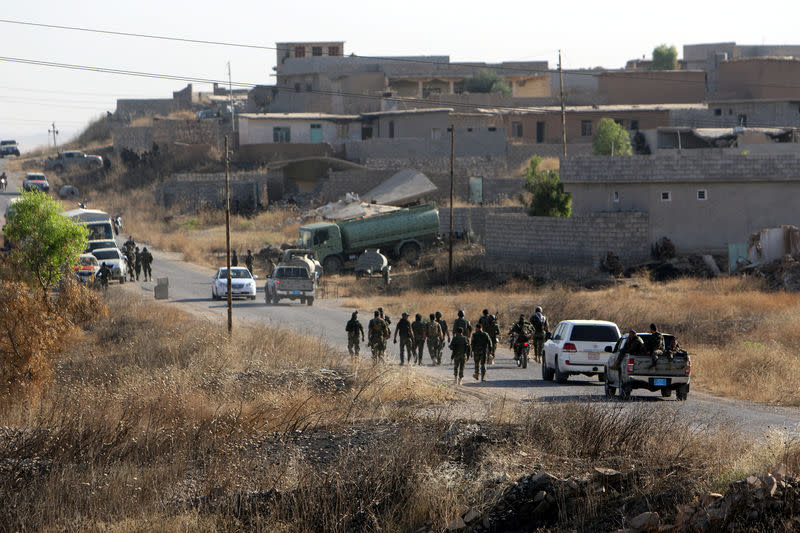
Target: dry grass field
[743, 338]
[156, 420]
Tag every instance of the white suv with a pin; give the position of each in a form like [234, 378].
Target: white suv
[578, 347]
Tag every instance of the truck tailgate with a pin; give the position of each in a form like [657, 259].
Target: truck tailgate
[290, 285]
[643, 366]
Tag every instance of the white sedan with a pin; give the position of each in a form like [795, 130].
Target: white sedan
[115, 260]
[243, 284]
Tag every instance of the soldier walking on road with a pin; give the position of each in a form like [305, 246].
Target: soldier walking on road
[540, 328]
[460, 348]
[248, 261]
[484, 319]
[406, 338]
[435, 338]
[493, 331]
[130, 244]
[418, 329]
[147, 261]
[355, 335]
[481, 344]
[130, 261]
[378, 334]
[462, 323]
[137, 263]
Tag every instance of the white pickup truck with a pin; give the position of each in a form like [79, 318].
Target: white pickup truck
[636, 371]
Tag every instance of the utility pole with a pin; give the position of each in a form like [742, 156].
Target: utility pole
[54, 131]
[563, 108]
[452, 195]
[230, 98]
[228, 234]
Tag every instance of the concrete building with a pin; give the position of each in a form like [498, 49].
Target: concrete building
[763, 78]
[734, 140]
[625, 87]
[702, 200]
[543, 125]
[754, 113]
[268, 128]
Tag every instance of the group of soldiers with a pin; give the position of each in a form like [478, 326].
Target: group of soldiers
[248, 260]
[479, 343]
[534, 329]
[139, 262]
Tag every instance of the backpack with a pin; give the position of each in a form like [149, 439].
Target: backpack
[433, 329]
[377, 327]
[538, 325]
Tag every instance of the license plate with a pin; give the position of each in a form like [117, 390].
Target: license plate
[594, 356]
[660, 382]
[296, 292]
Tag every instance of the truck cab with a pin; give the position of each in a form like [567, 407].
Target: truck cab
[325, 240]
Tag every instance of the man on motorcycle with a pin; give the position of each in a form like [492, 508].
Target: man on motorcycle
[521, 331]
[3, 181]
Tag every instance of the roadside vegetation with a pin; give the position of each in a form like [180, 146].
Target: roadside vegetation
[154, 419]
[741, 336]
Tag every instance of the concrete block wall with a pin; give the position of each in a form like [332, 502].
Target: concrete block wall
[192, 191]
[136, 138]
[500, 189]
[167, 132]
[576, 241]
[471, 221]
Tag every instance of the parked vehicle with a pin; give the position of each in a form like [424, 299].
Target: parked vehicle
[34, 181]
[243, 284]
[97, 222]
[402, 232]
[638, 372]
[9, 147]
[96, 245]
[302, 257]
[578, 347]
[72, 160]
[115, 260]
[87, 268]
[292, 282]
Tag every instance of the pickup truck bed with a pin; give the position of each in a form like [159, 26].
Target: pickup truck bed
[638, 372]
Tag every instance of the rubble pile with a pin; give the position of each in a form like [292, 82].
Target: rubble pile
[779, 274]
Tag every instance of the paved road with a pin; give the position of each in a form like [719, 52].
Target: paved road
[190, 287]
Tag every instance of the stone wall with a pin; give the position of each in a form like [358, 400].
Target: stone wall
[165, 132]
[497, 190]
[475, 144]
[471, 221]
[193, 191]
[464, 166]
[521, 243]
[136, 138]
[129, 109]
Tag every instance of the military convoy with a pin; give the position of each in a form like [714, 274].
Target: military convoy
[401, 233]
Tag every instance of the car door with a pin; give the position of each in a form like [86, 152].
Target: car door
[553, 346]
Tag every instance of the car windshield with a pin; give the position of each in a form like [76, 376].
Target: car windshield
[101, 244]
[106, 254]
[236, 273]
[594, 333]
[36, 177]
[86, 261]
[100, 230]
[305, 238]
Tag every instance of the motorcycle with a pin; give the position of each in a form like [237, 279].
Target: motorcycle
[522, 347]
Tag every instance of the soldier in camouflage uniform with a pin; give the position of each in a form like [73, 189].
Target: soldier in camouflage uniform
[130, 260]
[481, 344]
[137, 262]
[655, 344]
[355, 331]
[493, 331]
[540, 328]
[418, 329]
[460, 347]
[484, 319]
[435, 338]
[462, 323]
[403, 327]
[378, 334]
[147, 261]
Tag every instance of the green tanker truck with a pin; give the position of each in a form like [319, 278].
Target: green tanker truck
[401, 233]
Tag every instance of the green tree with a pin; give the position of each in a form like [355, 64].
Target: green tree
[611, 139]
[548, 198]
[46, 244]
[665, 57]
[487, 81]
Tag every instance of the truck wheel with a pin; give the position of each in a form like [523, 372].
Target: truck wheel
[681, 393]
[561, 377]
[625, 391]
[410, 252]
[547, 373]
[666, 393]
[610, 391]
[332, 265]
[309, 301]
